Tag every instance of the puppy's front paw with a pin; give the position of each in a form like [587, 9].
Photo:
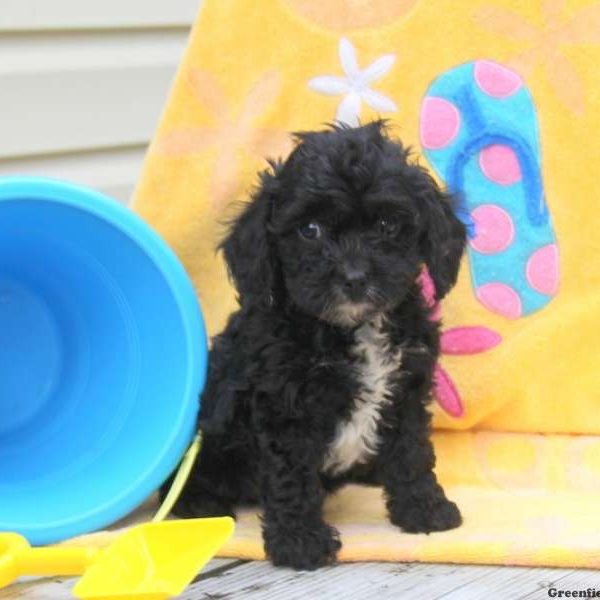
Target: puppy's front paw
[301, 546]
[426, 516]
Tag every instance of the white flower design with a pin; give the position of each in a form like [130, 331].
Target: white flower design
[355, 85]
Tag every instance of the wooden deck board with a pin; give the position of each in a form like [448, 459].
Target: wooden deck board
[376, 581]
[508, 582]
[230, 579]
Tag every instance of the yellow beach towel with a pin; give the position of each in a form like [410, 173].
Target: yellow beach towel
[503, 99]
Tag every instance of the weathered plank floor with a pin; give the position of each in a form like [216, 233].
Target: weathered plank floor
[234, 579]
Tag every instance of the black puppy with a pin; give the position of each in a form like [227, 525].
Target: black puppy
[323, 375]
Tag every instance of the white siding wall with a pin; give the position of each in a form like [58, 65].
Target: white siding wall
[83, 83]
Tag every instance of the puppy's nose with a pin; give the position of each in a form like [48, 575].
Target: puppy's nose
[355, 281]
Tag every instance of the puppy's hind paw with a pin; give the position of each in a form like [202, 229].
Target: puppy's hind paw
[302, 547]
[425, 517]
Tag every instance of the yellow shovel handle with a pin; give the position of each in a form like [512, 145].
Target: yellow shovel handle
[181, 477]
[56, 560]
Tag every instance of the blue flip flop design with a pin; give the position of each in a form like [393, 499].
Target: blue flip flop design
[479, 131]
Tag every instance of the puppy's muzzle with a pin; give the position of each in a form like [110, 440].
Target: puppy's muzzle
[354, 280]
[355, 284]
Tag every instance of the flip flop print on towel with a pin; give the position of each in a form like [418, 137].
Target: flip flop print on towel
[480, 133]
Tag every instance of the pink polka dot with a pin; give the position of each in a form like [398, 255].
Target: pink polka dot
[500, 164]
[542, 270]
[494, 229]
[496, 80]
[440, 122]
[501, 299]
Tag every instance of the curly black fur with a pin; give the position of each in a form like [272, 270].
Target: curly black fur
[327, 254]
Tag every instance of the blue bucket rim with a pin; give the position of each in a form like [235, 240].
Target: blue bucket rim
[18, 188]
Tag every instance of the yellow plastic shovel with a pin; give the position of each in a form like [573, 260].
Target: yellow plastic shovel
[152, 561]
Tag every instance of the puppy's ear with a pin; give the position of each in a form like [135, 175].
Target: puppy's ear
[443, 235]
[248, 248]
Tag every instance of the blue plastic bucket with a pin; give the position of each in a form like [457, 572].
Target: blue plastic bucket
[102, 357]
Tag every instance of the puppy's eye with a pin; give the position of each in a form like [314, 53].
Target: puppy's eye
[310, 231]
[388, 228]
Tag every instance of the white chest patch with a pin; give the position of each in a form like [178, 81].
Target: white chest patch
[356, 439]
